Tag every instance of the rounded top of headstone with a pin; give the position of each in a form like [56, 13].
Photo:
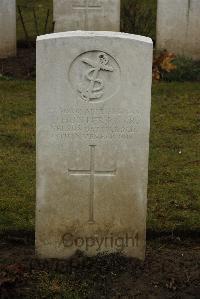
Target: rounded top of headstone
[111, 34]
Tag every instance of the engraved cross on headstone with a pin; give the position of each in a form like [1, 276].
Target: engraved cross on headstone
[91, 172]
[87, 5]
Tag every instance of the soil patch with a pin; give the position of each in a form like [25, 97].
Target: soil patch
[171, 270]
[20, 67]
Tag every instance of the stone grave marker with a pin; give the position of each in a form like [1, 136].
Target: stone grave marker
[99, 15]
[178, 27]
[8, 28]
[93, 121]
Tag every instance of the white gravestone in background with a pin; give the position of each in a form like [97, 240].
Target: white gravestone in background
[99, 15]
[93, 119]
[7, 28]
[178, 27]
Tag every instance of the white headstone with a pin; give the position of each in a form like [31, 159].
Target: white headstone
[97, 15]
[178, 27]
[93, 119]
[7, 28]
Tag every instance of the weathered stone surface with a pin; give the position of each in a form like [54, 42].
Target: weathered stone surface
[93, 119]
[178, 27]
[7, 28]
[97, 15]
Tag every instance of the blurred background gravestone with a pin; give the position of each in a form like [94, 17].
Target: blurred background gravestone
[95, 15]
[178, 27]
[7, 28]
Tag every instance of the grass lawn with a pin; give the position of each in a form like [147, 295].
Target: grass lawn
[174, 159]
[17, 155]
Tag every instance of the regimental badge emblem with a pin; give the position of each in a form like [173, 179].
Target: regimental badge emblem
[95, 76]
[94, 87]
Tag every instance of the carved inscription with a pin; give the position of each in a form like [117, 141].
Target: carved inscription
[93, 124]
[91, 172]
